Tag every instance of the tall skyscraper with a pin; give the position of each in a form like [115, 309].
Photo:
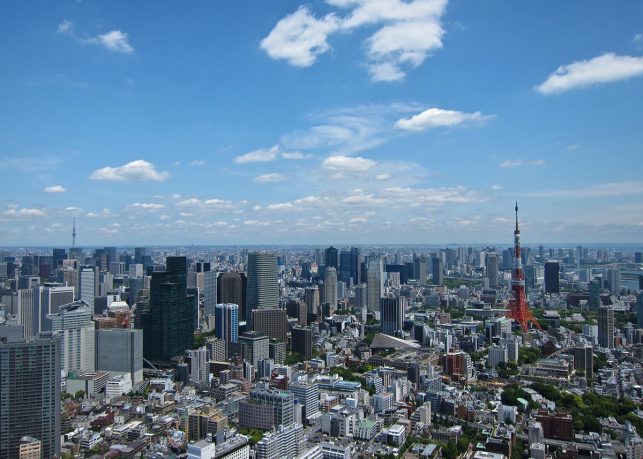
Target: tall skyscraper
[392, 315]
[639, 310]
[552, 277]
[226, 324]
[168, 325]
[29, 392]
[74, 324]
[492, 269]
[419, 268]
[209, 292]
[374, 283]
[614, 280]
[594, 291]
[330, 257]
[88, 284]
[584, 360]
[231, 288]
[311, 298]
[606, 327]
[58, 255]
[263, 287]
[330, 288]
[302, 341]
[48, 299]
[438, 271]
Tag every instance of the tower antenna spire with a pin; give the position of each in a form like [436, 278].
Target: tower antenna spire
[73, 234]
[517, 216]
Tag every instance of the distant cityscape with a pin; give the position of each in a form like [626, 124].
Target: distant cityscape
[321, 352]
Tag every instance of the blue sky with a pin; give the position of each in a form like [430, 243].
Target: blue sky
[345, 121]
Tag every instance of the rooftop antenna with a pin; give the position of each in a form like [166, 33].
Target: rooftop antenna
[73, 235]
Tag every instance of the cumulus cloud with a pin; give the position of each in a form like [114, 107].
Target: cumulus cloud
[116, 41]
[520, 162]
[139, 170]
[300, 37]
[348, 163]
[55, 189]
[606, 68]
[268, 178]
[437, 117]
[408, 31]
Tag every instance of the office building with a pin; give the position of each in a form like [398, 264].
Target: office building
[271, 322]
[614, 280]
[231, 289]
[311, 298]
[392, 315]
[282, 403]
[606, 327]
[48, 299]
[639, 310]
[119, 351]
[594, 291]
[263, 286]
[29, 392]
[374, 284]
[284, 443]
[226, 324]
[492, 270]
[552, 277]
[330, 258]
[209, 292]
[496, 355]
[349, 266]
[88, 284]
[583, 359]
[254, 347]
[438, 271]
[74, 324]
[168, 325]
[307, 392]
[199, 370]
[302, 341]
[419, 268]
[330, 287]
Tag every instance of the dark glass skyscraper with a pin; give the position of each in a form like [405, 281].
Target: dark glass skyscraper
[330, 257]
[168, 326]
[552, 277]
[231, 288]
[29, 392]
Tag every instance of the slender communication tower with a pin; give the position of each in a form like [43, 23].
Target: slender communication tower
[73, 235]
[518, 307]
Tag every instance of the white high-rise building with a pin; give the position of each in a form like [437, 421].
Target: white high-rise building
[74, 324]
[199, 373]
[88, 285]
[496, 355]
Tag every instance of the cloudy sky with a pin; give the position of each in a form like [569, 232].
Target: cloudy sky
[337, 121]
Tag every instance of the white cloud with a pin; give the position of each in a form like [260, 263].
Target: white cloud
[606, 68]
[66, 27]
[73, 209]
[114, 40]
[104, 213]
[268, 178]
[260, 155]
[436, 117]
[638, 38]
[408, 32]
[348, 163]
[197, 162]
[24, 212]
[300, 37]
[204, 204]
[264, 155]
[520, 162]
[146, 206]
[383, 177]
[595, 191]
[55, 189]
[496, 187]
[138, 170]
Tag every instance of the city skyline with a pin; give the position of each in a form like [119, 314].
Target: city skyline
[341, 121]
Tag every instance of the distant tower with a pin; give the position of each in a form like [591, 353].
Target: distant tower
[518, 307]
[73, 235]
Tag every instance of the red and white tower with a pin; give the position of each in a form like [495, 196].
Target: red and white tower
[518, 307]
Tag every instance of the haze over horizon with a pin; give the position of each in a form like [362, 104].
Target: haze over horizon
[370, 122]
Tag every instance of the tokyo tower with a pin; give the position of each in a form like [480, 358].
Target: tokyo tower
[518, 307]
